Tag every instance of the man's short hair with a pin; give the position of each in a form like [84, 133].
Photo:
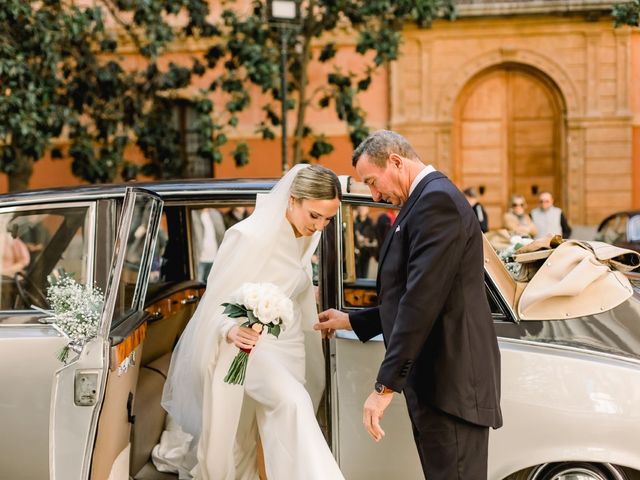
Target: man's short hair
[379, 145]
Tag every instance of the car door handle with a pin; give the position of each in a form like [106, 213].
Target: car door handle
[189, 299]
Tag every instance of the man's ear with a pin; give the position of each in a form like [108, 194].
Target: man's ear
[396, 160]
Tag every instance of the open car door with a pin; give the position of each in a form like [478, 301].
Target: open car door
[79, 387]
[354, 365]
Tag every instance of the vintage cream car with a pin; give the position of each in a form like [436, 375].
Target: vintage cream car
[570, 386]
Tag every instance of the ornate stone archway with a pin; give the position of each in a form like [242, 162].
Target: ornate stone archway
[508, 137]
[572, 106]
[528, 58]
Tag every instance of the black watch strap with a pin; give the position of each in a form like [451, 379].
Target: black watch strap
[380, 389]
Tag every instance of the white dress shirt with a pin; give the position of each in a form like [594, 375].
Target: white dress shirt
[423, 173]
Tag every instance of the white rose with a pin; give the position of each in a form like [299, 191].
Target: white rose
[250, 295]
[284, 309]
[265, 311]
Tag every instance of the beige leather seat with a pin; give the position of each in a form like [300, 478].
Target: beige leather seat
[150, 418]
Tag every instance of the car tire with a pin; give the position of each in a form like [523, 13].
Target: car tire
[569, 471]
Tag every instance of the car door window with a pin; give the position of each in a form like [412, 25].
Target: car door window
[364, 228]
[39, 244]
[139, 238]
[208, 226]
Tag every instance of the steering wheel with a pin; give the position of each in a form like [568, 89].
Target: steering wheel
[28, 291]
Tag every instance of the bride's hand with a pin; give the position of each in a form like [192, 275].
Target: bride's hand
[243, 337]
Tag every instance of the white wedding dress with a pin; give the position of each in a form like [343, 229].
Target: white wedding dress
[284, 378]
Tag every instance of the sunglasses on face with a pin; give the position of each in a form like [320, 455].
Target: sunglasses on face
[517, 204]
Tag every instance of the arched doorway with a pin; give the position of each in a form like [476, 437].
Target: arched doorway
[509, 138]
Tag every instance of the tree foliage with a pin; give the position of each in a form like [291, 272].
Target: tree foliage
[63, 72]
[627, 13]
[246, 50]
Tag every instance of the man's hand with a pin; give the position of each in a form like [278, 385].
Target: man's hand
[331, 320]
[374, 409]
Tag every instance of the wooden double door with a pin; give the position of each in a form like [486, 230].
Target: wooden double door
[509, 139]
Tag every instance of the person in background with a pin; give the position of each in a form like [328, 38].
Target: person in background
[234, 215]
[365, 239]
[383, 225]
[14, 255]
[472, 197]
[549, 220]
[208, 233]
[34, 234]
[517, 221]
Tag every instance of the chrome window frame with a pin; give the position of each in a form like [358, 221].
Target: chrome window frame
[198, 203]
[350, 202]
[91, 236]
[510, 313]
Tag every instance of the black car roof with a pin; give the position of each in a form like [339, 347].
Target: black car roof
[167, 189]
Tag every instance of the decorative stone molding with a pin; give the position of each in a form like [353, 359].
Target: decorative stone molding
[623, 72]
[475, 8]
[575, 174]
[504, 56]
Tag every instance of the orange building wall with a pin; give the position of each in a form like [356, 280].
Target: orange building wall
[592, 66]
[635, 112]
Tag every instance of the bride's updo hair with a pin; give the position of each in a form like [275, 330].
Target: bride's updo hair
[316, 183]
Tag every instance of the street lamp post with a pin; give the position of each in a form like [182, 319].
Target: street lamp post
[285, 16]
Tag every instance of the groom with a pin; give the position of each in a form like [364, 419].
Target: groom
[442, 351]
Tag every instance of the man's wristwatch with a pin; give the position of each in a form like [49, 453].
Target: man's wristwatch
[380, 389]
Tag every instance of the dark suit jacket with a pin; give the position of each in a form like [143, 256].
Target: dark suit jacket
[432, 307]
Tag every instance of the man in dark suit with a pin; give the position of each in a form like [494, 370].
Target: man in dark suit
[433, 312]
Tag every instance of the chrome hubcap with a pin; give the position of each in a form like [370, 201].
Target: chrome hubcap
[573, 473]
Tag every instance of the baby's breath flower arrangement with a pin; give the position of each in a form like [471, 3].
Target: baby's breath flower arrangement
[76, 311]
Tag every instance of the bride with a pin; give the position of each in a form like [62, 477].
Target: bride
[219, 424]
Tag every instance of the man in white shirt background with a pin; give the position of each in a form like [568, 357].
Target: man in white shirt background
[549, 220]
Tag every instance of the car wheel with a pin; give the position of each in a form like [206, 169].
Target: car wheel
[576, 471]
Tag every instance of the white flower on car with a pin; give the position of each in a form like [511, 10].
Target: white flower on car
[76, 310]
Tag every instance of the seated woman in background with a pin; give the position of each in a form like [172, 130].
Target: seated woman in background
[517, 221]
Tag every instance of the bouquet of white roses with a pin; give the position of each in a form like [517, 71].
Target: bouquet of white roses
[76, 311]
[263, 305]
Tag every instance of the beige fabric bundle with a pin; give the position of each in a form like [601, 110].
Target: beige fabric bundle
[578, 278]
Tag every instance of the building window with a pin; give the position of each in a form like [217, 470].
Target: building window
[195, 166]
